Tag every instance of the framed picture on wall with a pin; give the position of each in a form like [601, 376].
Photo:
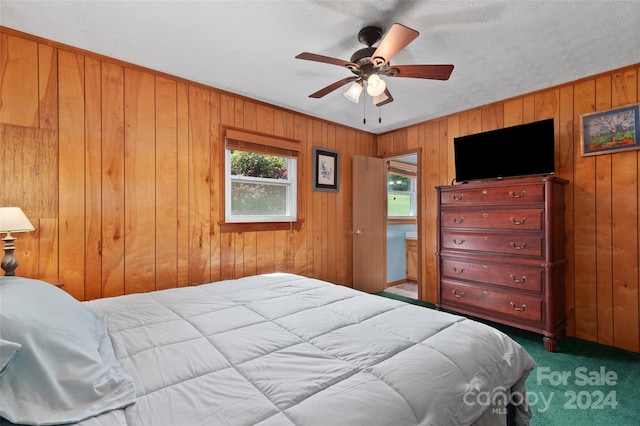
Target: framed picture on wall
[613, 130]
[326, 169]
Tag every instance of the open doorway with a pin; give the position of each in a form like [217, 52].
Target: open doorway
[402, 225]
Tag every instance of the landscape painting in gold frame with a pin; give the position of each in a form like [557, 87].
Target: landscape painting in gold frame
[613, 130]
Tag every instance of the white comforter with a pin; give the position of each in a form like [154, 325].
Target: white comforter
[283, 349]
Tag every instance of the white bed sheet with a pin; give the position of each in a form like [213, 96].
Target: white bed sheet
[281, 349]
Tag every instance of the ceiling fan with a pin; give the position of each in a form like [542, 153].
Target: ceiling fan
[370, 63]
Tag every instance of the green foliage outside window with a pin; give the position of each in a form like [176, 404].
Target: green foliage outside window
[245, 163]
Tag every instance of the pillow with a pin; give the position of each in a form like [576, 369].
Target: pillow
[65, 370]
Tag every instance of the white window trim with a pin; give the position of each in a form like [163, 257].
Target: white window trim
[290, 182]
[413, 197]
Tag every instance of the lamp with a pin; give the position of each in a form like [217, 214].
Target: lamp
[353, 94]
[12, 219]
[380, 98]
[375, 85]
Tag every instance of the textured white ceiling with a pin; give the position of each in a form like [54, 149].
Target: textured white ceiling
[500, 49]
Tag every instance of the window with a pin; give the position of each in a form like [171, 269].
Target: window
[401, 190]
[260, 178]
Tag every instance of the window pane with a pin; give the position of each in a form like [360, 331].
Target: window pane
[253, 164]
[399, 205]
[398, 183]
[258, 199]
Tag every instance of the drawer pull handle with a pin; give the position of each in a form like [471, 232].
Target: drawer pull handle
[515, 280]
[458, 243]
[518, 222]
[518, 247]
[458, 271]
[458, 295]
[522, 308]
[458, 221]
[457, 197]
[513, 194]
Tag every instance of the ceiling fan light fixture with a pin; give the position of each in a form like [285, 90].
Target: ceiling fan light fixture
[353, 94]
[380, 98]
[375, 85]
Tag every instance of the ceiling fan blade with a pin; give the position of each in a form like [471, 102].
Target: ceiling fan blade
[396, 39]
[387, 100]
[431, 72]
[330, 88]
[326, 59]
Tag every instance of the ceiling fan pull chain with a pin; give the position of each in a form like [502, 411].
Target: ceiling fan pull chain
[364, 113]
[379, 115]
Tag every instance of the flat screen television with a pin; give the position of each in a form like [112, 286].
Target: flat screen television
[517, 151]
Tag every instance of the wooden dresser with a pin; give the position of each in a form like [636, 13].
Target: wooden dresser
[501, 253]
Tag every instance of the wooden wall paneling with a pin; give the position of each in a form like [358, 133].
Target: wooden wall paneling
[140, 181]
[546, 104]
[432, 179]
[47, 87]
[584, 221]
[352, 135]
[238, 254]
[301, 262]
[604, 226]
[564, 169]
[625, 215]
[47, 247]
[227, 117]
[492, 116]
[183, 181]
[265, 247]
[27, 250]
[29, 156]
[474, 121]
[512, 109]
[166, 183]
[249, 254]
[71, 174]
[332, 233]
[306, 162]
[199, 186]
[317, 213]
[93, 179]
[528, 108]
[453, 132]
[112, 87]
[18, 81]
[342, 234]
[217, 186]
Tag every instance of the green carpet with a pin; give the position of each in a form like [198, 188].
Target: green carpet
[582, 383]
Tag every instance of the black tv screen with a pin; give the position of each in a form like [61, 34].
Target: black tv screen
[524, 150]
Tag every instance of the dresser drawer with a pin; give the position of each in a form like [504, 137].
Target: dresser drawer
[516, 194]
[519, 306]
[509, 275]
[518, 244]
[514, 219]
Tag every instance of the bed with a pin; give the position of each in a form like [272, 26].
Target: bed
[274, 349]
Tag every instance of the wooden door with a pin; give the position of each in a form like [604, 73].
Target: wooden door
[369, 224]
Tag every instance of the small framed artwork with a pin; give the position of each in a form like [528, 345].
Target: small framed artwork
[613, 130]
[326, 169]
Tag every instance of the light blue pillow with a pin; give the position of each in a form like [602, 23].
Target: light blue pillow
[65, 370]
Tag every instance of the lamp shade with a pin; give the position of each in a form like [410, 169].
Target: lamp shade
[375, 85]
[12, 219]
[353, 94]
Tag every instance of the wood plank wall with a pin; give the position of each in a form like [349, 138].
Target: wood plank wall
[602, 199]
[119, 169]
